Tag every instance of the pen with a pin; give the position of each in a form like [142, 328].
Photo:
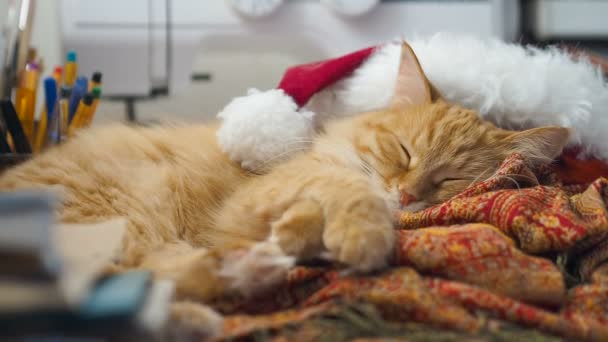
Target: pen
[25, 99]
[64, 113]
[25, 24]
[58, 74]
[82, 114]
[95, 80]
[50, 91]
[78, 91]
[32, 53]
[96, 98]
[58, 119]
[11, 119]
[71, 68]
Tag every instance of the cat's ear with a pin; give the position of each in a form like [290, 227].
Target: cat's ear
[539, 145]
[412, 87]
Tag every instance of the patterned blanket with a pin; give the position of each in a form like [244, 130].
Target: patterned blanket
[516, 257]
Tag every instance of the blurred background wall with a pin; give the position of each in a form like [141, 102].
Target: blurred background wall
[226, 47]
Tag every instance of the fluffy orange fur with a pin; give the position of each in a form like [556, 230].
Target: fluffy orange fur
[189, 207]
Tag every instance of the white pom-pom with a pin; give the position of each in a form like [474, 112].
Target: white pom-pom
[263, 128]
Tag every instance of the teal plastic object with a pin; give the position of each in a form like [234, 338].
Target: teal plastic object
[121, 295]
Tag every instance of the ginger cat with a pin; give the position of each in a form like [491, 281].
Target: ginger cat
[191, 211]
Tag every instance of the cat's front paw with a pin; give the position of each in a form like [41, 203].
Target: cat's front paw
[361, 235]
[299, 230]
[256, 269]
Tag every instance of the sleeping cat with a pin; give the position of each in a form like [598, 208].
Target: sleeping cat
[192, 211]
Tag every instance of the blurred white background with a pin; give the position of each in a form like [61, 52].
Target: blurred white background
[226, 40]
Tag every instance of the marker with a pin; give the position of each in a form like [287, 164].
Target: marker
[50, 93]
[82, 114]
[11, 119]
[95, 80]
[78, 91]
[71, 68]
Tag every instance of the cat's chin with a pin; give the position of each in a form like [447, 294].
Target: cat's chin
[414, 207]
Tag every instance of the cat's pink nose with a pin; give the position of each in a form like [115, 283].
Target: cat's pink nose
[406, 198]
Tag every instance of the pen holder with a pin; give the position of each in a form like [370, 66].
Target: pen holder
[12, 159]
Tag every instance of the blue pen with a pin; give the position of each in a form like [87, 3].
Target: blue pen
[78, 91]
[50, 93]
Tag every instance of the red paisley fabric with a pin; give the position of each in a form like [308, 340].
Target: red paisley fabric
[503, 248]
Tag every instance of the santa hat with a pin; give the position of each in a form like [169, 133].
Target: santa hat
[514, 86]
[263, 126]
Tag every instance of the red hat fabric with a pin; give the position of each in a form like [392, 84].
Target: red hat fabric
[301, 82]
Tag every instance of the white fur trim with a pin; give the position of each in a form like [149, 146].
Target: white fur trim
[370, 87]
[513, 86]
[518, 87]
[264, 127]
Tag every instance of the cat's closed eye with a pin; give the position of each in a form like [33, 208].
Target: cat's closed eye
[404, 149]
[407, 155]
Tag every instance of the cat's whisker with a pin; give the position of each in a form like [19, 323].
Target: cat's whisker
[533, 179]
[302, 141]
[507, 176]
[482, 174]
[512, 180]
